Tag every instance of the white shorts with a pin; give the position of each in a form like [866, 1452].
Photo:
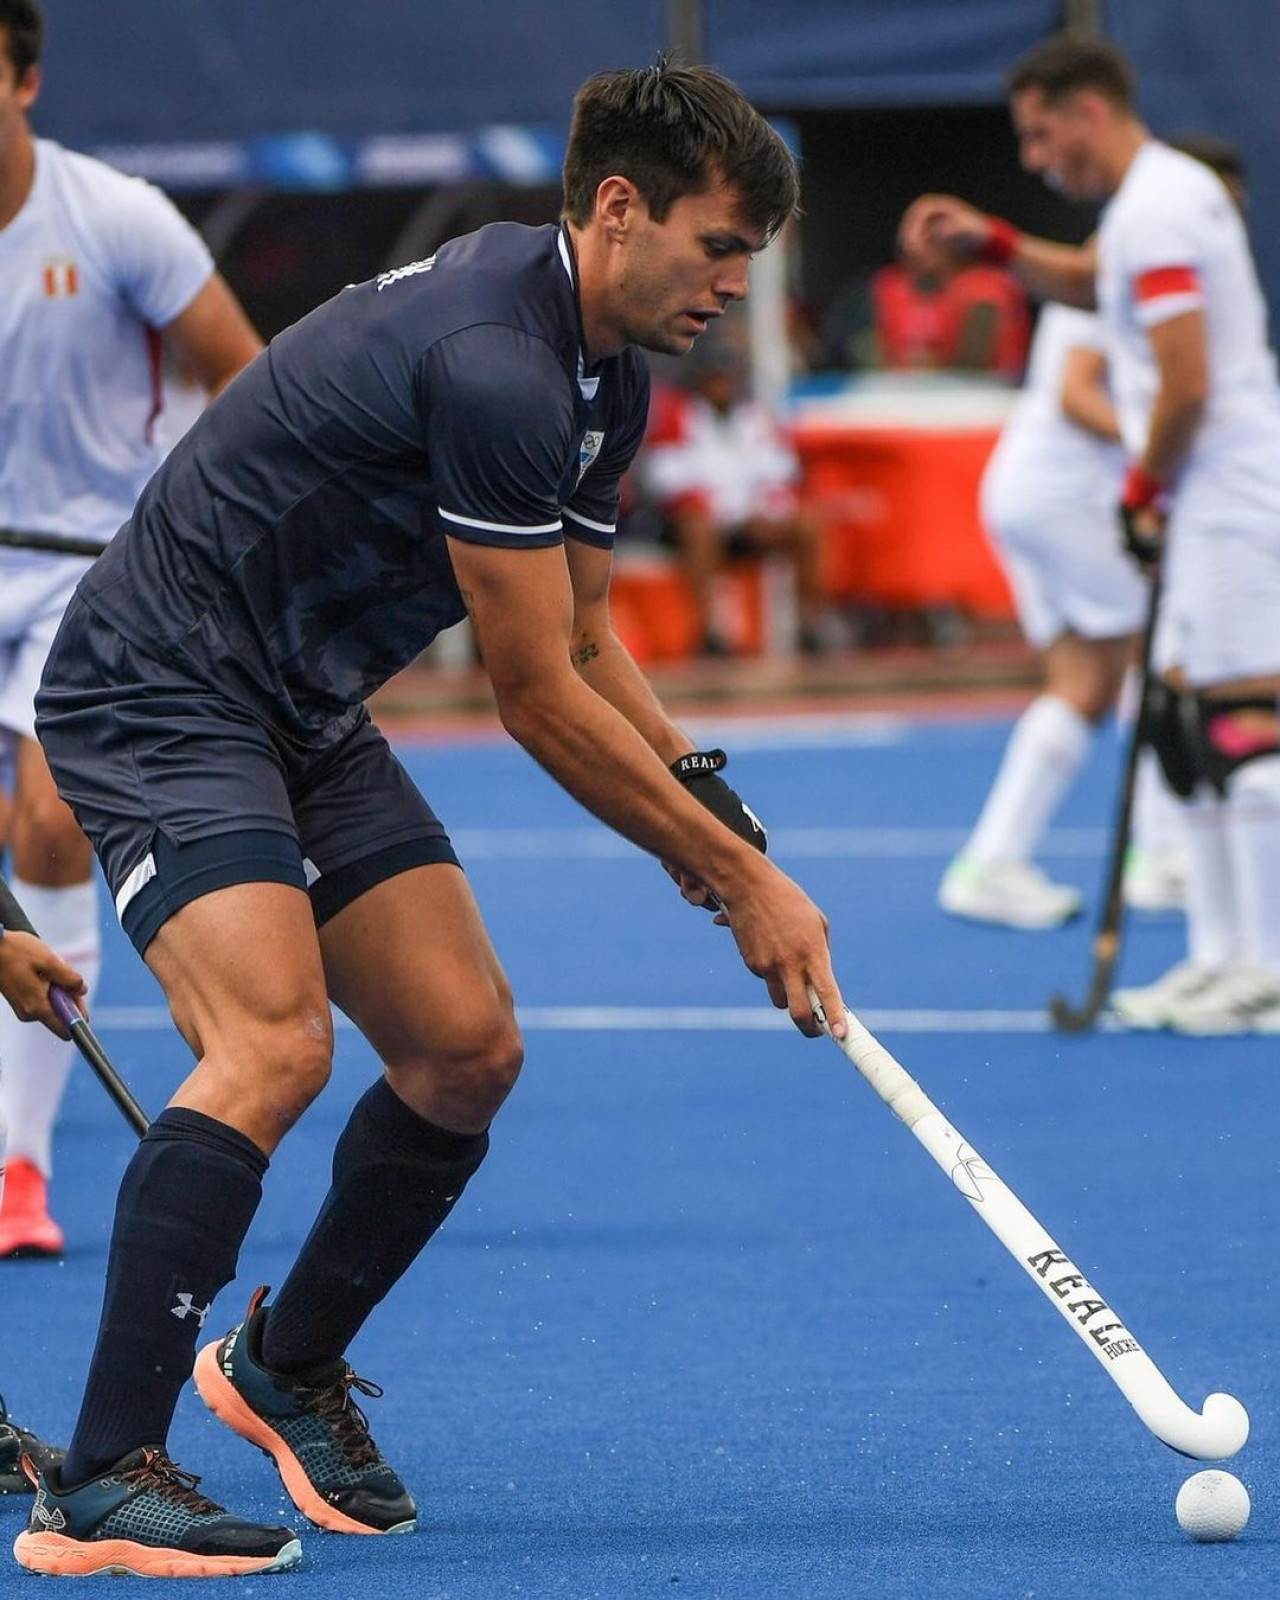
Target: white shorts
[1069, 572]
[34, 592]
[1220, 613]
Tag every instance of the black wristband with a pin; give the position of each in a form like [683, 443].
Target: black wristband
[699, 771]
[1146, 549]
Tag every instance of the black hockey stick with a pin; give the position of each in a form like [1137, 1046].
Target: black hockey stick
[14, 918]
[1106, 941]
[11, 539]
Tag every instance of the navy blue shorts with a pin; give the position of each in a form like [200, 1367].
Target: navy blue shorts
[182, 791]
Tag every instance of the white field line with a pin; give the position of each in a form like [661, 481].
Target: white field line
[587, 843]
[674, 1019]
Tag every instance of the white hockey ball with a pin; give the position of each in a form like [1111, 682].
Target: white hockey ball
[1212, 1506]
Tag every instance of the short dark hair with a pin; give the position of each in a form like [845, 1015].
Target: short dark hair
[673, 131]
[1219, 155]
[24, 26]
[1070, 61]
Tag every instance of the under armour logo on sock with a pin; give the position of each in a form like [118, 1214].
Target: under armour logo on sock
[185, 1308]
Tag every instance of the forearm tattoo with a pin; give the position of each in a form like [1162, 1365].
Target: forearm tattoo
[586, 653]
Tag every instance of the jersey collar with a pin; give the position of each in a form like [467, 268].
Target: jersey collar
[586, 386]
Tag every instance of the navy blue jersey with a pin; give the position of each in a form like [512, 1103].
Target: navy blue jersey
[291, 551]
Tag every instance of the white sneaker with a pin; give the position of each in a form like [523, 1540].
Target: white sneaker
[1013, 893]
[1155, 880]
[1152, 1005]
[1240, 1000]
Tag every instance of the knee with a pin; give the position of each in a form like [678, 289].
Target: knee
[47, 839]
[272, 1067]
[466, 1075]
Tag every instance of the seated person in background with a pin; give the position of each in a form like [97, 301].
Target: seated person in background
[724, 476]
[927, 312]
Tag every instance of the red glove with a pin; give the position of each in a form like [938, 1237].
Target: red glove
[1001, 243]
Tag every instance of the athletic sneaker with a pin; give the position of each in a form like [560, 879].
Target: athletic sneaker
[1242, 1000]
[1015, 894]
[1152, 1006]
[1155, 880]
[26, 1228]
[16, 1442]
[313, 1430]
[144, 1518]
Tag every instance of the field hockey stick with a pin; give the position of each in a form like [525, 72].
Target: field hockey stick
[1210, 1435]
[10, 539]
[15, 919]
[1106, 941]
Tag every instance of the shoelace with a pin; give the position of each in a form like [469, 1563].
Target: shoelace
[350, 1426]
[167, 1479]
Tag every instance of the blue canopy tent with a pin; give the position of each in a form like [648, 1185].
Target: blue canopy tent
[316, 94]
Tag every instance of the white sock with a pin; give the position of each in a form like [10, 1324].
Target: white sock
[1253, 835]
[1213, 915]
[1045, 753]
[36, 1062]
[1159, 820]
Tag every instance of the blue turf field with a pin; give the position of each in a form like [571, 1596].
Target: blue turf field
[710, 1322]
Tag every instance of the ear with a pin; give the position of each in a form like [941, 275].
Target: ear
[26, 92]
[618, 206]
[1092, 107]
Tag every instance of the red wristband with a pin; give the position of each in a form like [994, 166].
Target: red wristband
[1001, 243]
[1140, 488]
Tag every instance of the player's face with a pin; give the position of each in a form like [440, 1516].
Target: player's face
[676, 276]
[1058, 140]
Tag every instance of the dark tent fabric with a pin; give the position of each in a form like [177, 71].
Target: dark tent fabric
[832, 54]
[141, 71]
[138, 71]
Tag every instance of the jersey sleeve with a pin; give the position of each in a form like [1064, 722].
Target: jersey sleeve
[1162, 251]
[592, 513]
[1078, 330]
[497, 424]
[161, 261]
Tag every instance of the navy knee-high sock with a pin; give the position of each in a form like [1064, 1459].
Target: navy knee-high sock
[396, 1177]
[185, 1205]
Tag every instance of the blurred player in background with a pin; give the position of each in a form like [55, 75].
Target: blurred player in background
[1048, 501]
[1199, 409]
[726, 479]
[97, 269]
[447, 439]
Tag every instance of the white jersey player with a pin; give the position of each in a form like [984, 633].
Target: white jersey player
[1048, 503]
[97, 269]
[1199, 410]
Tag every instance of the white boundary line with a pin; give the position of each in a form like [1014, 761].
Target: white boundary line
[674, 1019]
[586, 843]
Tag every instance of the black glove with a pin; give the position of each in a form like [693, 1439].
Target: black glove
[1142, 510]
[1145, 548]
[699, 771]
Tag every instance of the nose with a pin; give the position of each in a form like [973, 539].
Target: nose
[732, 282]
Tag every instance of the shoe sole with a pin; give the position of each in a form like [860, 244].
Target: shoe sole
[30, 1251]
[56, 1556]
[1004, 920]
[222, 1398]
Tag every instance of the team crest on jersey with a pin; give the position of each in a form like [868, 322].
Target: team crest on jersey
[588, 450]
[61, 277]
